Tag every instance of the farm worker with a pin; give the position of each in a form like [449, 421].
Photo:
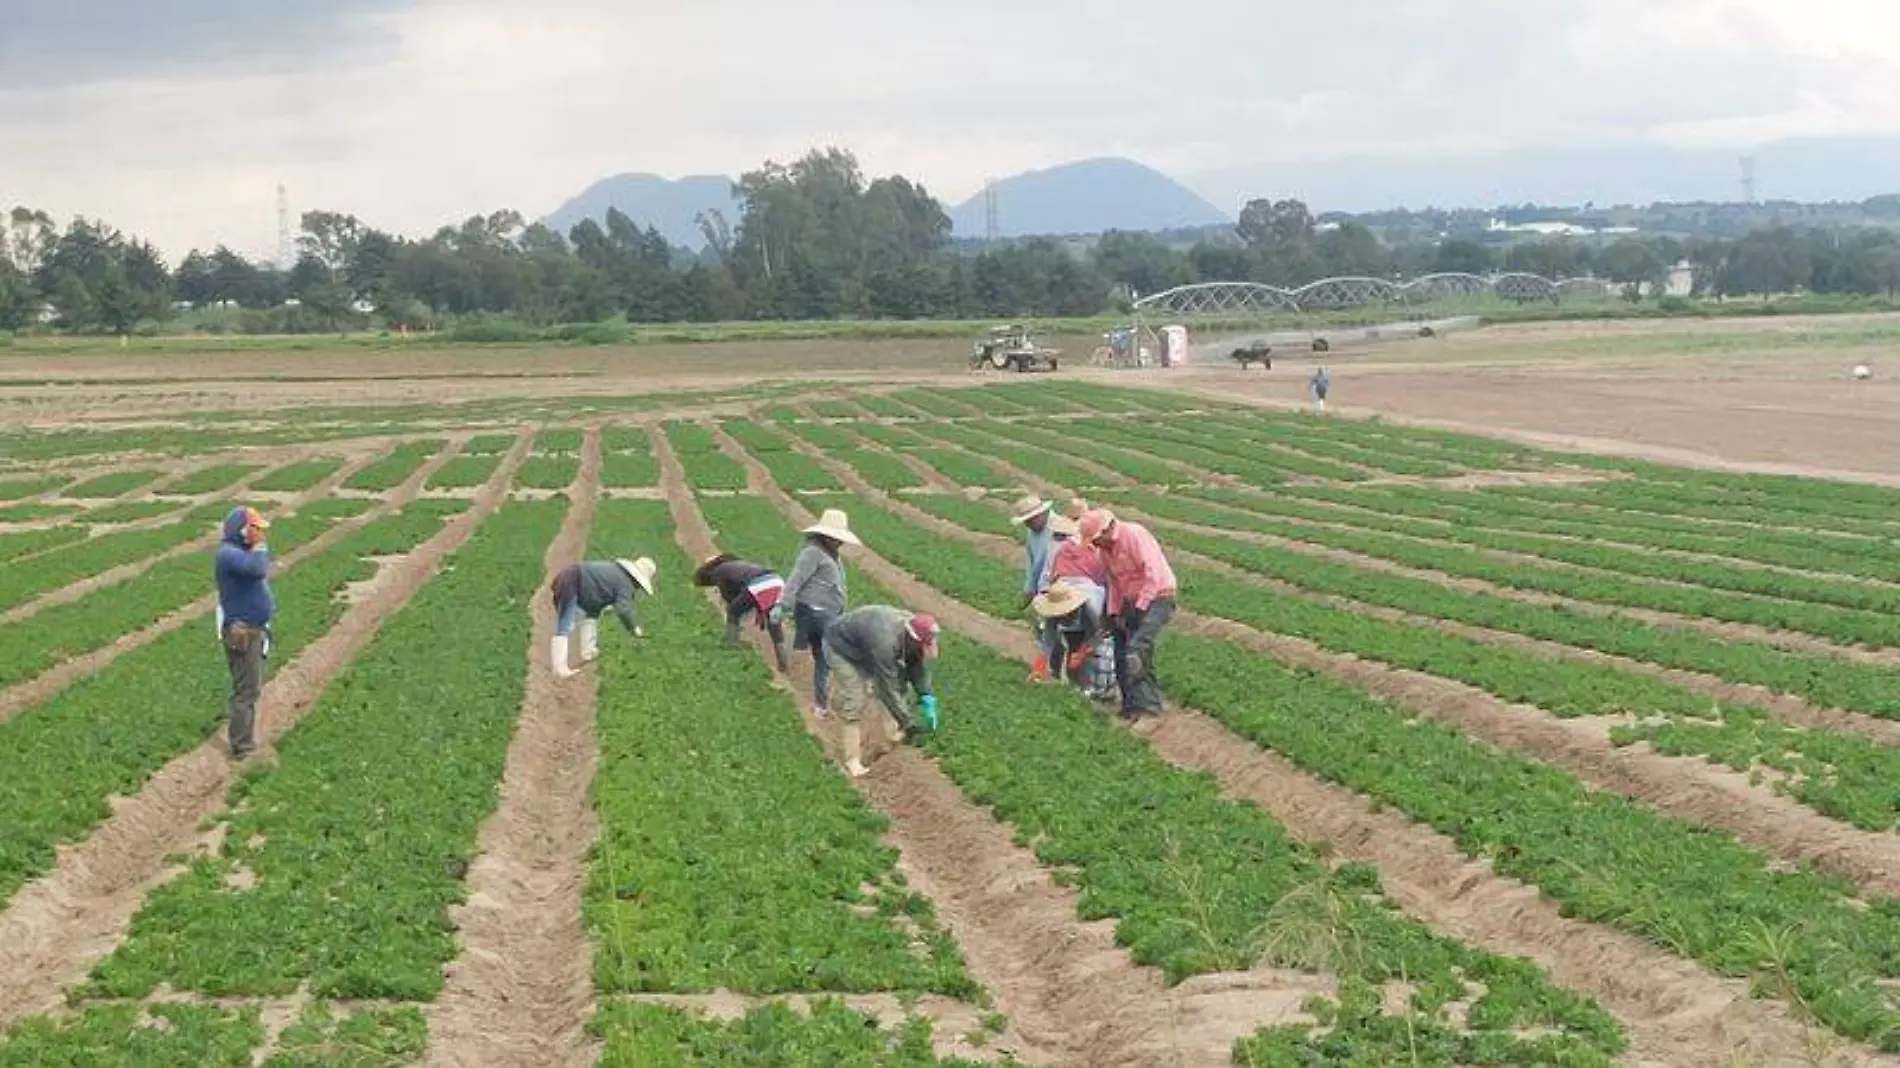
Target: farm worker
[749, 590]
[1141, 600]
[1319, 384]
[815, 593]
[1069, 559]
[245, 608]
[881, 648]
[583, 591]
[1074, 611]
[1032, 514]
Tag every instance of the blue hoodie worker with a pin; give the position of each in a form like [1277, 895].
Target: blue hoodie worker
[583, 591]
[245, 607]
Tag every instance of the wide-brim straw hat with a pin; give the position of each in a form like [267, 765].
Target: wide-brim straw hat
[834, 524]
[1064, 527]
[641, 571]
[1058, 601]
[1029, 508]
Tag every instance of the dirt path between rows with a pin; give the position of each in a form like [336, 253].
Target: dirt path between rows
[521, 992]
[44, 686]
[1072, 995]
[1677, 1013]
[61, 924]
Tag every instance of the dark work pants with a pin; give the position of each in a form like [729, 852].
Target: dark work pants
[244, 655]
[743, 606]
[1137, 633]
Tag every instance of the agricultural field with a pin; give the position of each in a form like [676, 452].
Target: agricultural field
[1479, 750]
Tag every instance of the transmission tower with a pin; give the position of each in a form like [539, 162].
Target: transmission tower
[989, 211]
[1748, 179]
[284, 257]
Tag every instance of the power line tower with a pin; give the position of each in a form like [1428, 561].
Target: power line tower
[285, 259]
[1748, 179]
[989, 211]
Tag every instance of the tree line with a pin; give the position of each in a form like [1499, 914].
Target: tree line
[815, 239]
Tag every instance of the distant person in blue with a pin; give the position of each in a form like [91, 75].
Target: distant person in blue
[1319, 384]
[245, 607]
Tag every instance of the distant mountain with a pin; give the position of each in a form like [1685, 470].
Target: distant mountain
[1087, 197]
[666, 205]
[1808, 170]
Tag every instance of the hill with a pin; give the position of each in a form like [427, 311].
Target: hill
[669, 206]
[1087, 197]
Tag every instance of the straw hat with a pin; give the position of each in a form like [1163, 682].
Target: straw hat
[1058, 601]
[834, 525]
[1064, 527]
[1095, 523]
[1029, 508]
[641, 571]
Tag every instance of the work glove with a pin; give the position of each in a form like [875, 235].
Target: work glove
[927, 711]
[1078, 658]
[639, 632]
[1136, 668]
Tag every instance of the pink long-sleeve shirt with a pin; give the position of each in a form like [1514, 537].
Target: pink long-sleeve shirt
[1137, 571]
[1076, 560]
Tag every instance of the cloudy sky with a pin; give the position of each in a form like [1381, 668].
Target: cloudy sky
[176, 119]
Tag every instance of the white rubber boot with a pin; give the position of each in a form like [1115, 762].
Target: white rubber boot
[557, 652]
[854, 751]
[590, 640]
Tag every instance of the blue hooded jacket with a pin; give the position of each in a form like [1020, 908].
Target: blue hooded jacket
[243, 576]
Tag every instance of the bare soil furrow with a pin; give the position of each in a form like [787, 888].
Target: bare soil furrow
[521, 992]
[58, 926]
[29, 694]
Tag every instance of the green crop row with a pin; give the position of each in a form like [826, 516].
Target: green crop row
[464, 472]
[1608, 860]
[1006, 400]
[706, 466]
[624, 437]
[687, 438]
[757, 438]
[990, 438]
[836, 409]
[62, 631]
[827, 437]
[548, 472]
[963, 467]
[492, 445]
[880, 405]
[1687, 502]
[629, 470]
[127, 512]
[30, 513]
[704, 774]
[1230, 441]
[1252, 470]
[1247, 512]
[1135, 464]
[937, 402]
[880, 469]
[653, 1036]
[25, 579]
[1477, 514]
[560, 440]
[1196, 883]
[297, 477]
[354, 852]
[210, 480]
[798, 472]
[891, 437]
[18, 489]
[154, 1036]
[1298, 433]
[396, 468]
[114, 484]
[105, 734]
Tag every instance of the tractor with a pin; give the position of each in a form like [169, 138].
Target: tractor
[1012, 348]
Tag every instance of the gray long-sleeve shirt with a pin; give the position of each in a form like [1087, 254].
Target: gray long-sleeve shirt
[872, 640]
[817, 580]
[599, 585]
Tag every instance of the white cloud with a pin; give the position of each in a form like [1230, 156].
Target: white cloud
[415, 113]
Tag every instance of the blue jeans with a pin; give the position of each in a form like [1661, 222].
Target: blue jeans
[808, 632]
[566, 614]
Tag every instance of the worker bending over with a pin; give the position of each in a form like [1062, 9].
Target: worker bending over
[749, 590]
[1074, 610]
[583, 591]
[1141, 601]
[816, 595]
[882, 649]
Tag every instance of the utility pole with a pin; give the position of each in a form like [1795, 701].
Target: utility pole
[284, 257]
[989, 212]
[1748, 179]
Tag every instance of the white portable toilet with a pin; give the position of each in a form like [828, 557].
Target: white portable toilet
[1174, 345]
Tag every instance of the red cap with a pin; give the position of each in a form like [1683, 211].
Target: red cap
[924, 629]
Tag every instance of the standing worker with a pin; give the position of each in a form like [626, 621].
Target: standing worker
[245, 608]
[1141, 601]
[749, 590]
[881, 648]
[1032, 514]
[1319, 384]
[816, 594]
[583, 591]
